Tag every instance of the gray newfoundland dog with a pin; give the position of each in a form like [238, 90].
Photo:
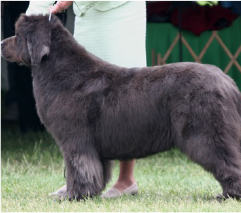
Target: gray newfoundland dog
[98, 111]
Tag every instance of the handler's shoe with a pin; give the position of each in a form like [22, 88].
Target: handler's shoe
[114, 192]
[59, 193]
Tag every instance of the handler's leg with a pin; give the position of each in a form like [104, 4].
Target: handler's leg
[126, 175]
[126, 183]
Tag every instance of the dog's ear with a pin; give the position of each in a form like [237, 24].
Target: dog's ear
[38, 41]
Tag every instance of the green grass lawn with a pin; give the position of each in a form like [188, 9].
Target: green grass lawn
[32, 167]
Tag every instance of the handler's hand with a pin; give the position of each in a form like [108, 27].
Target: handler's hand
[59, 6]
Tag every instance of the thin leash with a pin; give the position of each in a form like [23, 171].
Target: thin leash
[50, 14]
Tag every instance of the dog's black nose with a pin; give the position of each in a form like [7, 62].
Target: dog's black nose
[2, 44]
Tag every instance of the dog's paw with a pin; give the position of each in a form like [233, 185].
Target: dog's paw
[221, 197]
[78, 197]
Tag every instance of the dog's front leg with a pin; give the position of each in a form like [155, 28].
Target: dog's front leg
[85, 176]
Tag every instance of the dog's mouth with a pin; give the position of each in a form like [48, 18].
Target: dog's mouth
[7, 57]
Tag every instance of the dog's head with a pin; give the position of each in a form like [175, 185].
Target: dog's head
[31, 41]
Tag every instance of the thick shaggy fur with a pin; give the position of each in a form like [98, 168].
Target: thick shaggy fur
[98, 112]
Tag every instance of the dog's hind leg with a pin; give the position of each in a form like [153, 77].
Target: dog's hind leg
[220, 157]
[85, 175]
